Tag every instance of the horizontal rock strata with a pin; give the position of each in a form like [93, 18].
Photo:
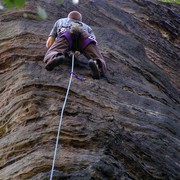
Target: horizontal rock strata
[123, 127]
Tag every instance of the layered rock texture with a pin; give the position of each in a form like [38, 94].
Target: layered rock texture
[123, 127]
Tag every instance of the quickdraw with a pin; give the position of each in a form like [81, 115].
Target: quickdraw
[77, 76]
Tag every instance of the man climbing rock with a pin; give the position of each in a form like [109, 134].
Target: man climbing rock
[71, 34]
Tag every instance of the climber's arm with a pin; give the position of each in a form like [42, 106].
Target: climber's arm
[52, 35]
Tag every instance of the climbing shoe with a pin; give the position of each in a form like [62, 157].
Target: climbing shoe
[94, 68]
[55, 62]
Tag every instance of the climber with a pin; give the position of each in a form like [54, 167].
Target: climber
[71, 34]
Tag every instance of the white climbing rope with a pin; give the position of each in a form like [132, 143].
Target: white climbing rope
[60, 120]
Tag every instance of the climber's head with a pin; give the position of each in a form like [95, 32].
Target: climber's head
[75, 15]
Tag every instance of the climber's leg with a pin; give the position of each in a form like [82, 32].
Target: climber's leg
[55, 54]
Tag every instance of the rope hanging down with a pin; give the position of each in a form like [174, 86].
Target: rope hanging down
[60, 121]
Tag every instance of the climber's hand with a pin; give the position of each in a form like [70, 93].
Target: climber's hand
[50, 41]
[77, 53]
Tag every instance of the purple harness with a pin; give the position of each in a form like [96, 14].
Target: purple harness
[85, 42]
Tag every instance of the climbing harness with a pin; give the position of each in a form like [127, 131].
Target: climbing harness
[60, 120]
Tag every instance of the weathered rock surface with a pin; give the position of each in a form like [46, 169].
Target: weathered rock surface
[124, 128]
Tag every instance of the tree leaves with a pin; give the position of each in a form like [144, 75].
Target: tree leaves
[20, 3]
[42, 15]
[14, 3]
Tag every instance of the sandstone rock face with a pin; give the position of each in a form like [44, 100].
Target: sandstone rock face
[123, 127]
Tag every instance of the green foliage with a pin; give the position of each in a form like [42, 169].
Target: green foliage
[14, 3]
[20, 3]
[42, 15]
[175, 1]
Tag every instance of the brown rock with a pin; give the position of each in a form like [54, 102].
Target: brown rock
[123, 127]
